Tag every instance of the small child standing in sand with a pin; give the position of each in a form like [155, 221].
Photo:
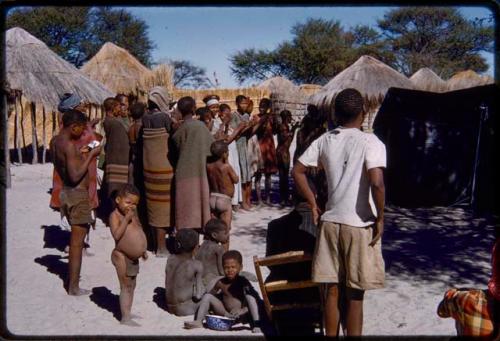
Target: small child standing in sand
[210, 252]
[232, 296]
[221, 180]
[130, 246]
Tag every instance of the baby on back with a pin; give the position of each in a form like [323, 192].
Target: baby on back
[183, 275]
[211, 251]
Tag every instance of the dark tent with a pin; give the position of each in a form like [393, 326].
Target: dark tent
[441, 147]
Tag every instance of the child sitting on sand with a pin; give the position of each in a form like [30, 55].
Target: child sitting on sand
[183, 275]
[130, 246]
[221, 180]
[210, 252]
[232, 296]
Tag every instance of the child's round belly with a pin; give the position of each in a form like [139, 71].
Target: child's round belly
[133, 244]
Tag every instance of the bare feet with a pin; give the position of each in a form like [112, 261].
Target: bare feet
[134, 316]
[130, 322]
[192, 324]
[87, 253]
[78, 292]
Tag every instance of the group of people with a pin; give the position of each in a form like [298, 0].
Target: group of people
[175, 169]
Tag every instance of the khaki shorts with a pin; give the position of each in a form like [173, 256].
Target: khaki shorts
[75, 206]
[342, 255]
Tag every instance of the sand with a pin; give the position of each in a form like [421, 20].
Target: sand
[426, 251]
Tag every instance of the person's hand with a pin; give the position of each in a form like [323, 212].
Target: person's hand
[95, 151]
[316, 213]
[85, 149]
[130, 215]
[232, 315]
[145, 255]
[378, 230]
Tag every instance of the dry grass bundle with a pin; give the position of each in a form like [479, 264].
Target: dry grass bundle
[42, 76]
[468, 79]
[309, 89]
[426, 80]
[162, 75]
[116, 68]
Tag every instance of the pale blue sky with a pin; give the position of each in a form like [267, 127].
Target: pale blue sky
[207, 36]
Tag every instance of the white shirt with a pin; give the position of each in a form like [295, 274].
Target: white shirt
[346, 154]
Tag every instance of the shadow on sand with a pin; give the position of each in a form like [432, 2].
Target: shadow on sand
[105, 299]
[159, 298]
[55, 238]
[54, 265]
[439, 244]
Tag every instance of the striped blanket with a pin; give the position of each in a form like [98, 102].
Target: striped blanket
[158, 174]
[117, 153]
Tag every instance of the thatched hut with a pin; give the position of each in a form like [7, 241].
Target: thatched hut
[285, 95]
[467, 79]
[309, 89]
[38, 77]
[427, 80]
[121, 72]
[369, 76]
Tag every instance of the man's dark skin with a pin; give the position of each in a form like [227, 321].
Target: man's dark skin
[72, 166]
[354, 297]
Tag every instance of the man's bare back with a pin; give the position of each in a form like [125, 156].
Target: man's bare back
[221, 178]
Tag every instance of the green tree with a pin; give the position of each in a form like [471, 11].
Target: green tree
[318, 51]
[436, 37]
[77, 33]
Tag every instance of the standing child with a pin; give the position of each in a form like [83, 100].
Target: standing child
[221, 180]
[130, 246]
[232, 296]
[211, 251]
[184, 276]
[285, 137]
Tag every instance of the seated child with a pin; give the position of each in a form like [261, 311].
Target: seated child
[130, 246]
[183, 275]
[221, 180]
[210, 252]
[232, 296]
[476, 312]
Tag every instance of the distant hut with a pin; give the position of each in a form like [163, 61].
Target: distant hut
[427, 80]
[467, 79]
[121, 72]
[370, 77]
[284, 95]
[38, 77]
[309, 89]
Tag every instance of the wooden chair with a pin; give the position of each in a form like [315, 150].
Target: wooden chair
[266, 288]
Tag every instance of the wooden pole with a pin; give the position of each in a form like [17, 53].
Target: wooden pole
[6, 143]
[34, 143]
[44, 136]
[17, 139]
[22, 121]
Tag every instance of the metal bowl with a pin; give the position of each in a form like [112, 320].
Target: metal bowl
[216, 322]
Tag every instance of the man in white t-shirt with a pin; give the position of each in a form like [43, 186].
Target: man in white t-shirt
[348, 253]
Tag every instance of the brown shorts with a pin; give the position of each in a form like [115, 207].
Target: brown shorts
[75, 206]
[132, 266]
[342, 255]
[220, 203]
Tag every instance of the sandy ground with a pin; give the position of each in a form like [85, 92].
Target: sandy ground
[426, 252]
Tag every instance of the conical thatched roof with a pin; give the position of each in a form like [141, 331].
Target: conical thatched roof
[162, 75]
[369, 76]
[426, 80]
[467, 79]
[43, 76]
[116, 68]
